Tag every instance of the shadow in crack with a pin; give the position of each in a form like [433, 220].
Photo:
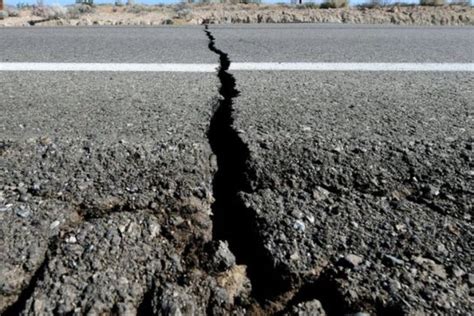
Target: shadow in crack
[232, 221]
[18, 307]
[325, 290]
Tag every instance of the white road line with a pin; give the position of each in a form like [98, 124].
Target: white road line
[133, 67]
[354, 66]
[113, 67]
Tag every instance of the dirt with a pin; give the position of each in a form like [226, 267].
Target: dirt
[251, 13]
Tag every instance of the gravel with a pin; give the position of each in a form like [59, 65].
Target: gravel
[311, 194]
[376, 173]
[118, 201]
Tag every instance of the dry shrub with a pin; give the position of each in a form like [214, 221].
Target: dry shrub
[50, 12]
[308, 5]
[333, 4]
[434, 3]
[12, 11]
[76, 11]
[139, 8]
[182, 10]
[466, 3]
[375, 4]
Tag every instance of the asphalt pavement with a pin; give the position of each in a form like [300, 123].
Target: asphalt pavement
[105, 44]
[296, 192]
[345, 43]
[117, 163]
[358, 208]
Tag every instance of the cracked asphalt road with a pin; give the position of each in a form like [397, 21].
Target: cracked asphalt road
[298, 193]
[84, 146]
[370, 194]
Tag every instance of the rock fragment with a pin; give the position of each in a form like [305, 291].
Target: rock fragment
[223, 258]
[352, 260]
[309, 308]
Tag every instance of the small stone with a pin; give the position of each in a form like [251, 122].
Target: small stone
[24, 198]
[308, 308]
[441, 248]
[155, 229]
[223, 258]
[297, 214]
[338, 149]
[295, 256]
[320, 194]
[71, 239]
[5, 208]
[54, 224]
[299, 225]
[23, 212]
[470, 278]
[45, 141]
[391, 260]
[408, 278]
[35, 188]
[83, 186]
[431, 191]
[132, 189]
[429, 264]
[400, 227]
[458, 272]
[395, 285]
[122, 228]
[21, 188]
[352, 260]
[177, 220]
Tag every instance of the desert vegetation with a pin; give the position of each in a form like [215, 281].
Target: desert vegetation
[428, 12]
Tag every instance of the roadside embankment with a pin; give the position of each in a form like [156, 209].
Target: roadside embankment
[239, 13]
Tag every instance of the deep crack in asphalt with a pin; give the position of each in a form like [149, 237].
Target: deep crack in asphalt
[232, 221]
[275, 290]
[19, 305]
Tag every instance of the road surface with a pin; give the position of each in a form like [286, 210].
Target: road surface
[198, 191]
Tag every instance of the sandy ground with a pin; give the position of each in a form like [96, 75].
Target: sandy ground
[241, 13]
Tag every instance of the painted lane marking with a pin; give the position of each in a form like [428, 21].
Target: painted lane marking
[108, 67]
[354, 66]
